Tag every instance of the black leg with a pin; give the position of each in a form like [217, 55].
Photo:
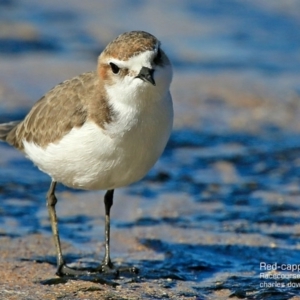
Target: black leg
[106, 265]
[108, 201]
[51, 202]
[62, 269]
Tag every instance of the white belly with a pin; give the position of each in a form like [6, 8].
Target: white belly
[92, 158]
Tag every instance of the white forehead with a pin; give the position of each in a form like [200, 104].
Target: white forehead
[136, 62]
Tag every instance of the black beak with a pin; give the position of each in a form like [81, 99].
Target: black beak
[146, 74]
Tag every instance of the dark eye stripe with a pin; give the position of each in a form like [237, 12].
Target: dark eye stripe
[158, 58]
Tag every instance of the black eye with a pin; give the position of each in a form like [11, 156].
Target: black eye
[115, 69]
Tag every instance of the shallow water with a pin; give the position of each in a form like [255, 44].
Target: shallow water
[224, 197]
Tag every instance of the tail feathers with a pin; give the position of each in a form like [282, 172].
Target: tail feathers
[5, 128]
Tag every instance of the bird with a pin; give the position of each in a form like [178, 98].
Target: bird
[100, 130]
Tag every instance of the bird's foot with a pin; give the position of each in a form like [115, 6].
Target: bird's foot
[110, 269]
[64, 270]
[107, 270]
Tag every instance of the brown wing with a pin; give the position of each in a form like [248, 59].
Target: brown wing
[5, 128]
[55, 114]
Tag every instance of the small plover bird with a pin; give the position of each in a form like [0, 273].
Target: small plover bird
[100, 130]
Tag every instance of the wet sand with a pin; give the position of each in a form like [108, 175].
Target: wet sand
[224, 197]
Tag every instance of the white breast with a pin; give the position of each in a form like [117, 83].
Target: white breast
[92, 158]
